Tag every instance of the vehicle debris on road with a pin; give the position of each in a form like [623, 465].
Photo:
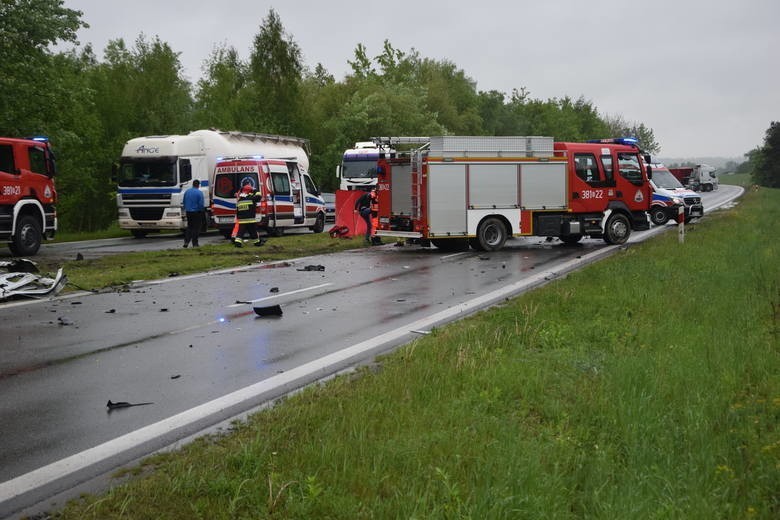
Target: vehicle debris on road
[18, 278]
[123, 404]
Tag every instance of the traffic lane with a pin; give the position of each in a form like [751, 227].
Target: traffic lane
[372, 292]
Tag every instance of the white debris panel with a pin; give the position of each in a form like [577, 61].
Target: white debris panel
[19, 278]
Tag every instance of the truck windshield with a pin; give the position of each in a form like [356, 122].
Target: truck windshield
[663, 178]
[148, 172]
[359, 169]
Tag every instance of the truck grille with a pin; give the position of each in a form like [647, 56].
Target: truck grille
[146, 213]
[692, 201]
[145, 198]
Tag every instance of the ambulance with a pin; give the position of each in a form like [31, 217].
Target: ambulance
[289, 197]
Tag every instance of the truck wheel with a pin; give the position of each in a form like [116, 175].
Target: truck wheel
[658, 215]
[491, 234]
[319, 224]
[138, 233]
[27, 237]
[617, 230]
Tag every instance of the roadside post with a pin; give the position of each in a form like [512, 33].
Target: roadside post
[681, 224]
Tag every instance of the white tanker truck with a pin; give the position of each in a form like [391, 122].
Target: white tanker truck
[155, 171]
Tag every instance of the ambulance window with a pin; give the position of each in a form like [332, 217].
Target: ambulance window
[310, 187]
[7, 159]
[628, 166]
[586, 167]
[606, 162]
[37, 160]
[281, 183]
[225, 185]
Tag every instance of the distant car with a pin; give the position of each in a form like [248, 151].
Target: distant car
[330, 206]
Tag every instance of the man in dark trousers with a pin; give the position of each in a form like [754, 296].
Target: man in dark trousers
[246, 207]
[194, 207]
[363, 207]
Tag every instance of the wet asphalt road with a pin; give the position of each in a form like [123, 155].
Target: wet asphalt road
[181, 342]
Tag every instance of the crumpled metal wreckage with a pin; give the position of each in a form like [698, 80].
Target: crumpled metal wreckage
[18, 279]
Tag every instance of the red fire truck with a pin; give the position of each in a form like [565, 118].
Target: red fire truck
[27, 194]
[455, 192]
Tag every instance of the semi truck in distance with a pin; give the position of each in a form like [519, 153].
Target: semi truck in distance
[701, 177]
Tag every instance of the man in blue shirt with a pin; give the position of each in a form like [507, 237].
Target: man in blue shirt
[194, 207]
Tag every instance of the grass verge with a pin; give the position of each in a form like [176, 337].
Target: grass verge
[119, 270]
[644, 386]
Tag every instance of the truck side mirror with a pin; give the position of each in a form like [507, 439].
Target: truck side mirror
[649, 172]
[338, 171]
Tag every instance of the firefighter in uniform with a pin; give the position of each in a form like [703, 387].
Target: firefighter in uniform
[246, 206]
[363, 207]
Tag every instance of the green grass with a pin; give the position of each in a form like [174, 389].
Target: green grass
[644, 386]
[120, 270]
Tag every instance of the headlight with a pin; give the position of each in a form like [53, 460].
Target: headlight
[677, 200]
[124, 213]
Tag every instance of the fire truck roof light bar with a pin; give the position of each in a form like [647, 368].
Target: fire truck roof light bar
[630, 141]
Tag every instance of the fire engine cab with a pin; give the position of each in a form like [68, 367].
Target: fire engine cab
[456, 192]
[27, 194]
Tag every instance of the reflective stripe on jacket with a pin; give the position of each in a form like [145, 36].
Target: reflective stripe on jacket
[246, 207]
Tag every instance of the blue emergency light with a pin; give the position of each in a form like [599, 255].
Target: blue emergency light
[630, 141]
[39, 138]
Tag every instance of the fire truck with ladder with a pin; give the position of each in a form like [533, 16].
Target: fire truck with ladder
[455, 192]
[27, 195]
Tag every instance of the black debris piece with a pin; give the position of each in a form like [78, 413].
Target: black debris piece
[274, 290]
[177, 376]
[272, 310]
[122, 404]
[79, 256]
[313, 268]
[163, 310]
[110, 311]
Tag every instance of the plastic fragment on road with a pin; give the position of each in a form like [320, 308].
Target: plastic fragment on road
[313, 268]
[271, 310]
[20, 280]
[123, 404]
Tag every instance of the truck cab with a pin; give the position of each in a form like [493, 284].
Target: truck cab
[669, 195]
[27, 194]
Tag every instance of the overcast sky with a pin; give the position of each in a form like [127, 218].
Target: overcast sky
[704, 75]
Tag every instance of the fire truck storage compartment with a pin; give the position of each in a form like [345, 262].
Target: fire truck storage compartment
[543, 186]
[402, 189]
[447, 199]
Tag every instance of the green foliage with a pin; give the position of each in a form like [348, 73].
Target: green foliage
[32, 93]
[275, 75]
[766, 159]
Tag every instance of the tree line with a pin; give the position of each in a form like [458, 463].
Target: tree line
[89, 108]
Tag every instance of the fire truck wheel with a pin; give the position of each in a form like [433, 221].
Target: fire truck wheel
[319, 224]
[617, 230]
[27, 237]
[659, 216]
[491, 234]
